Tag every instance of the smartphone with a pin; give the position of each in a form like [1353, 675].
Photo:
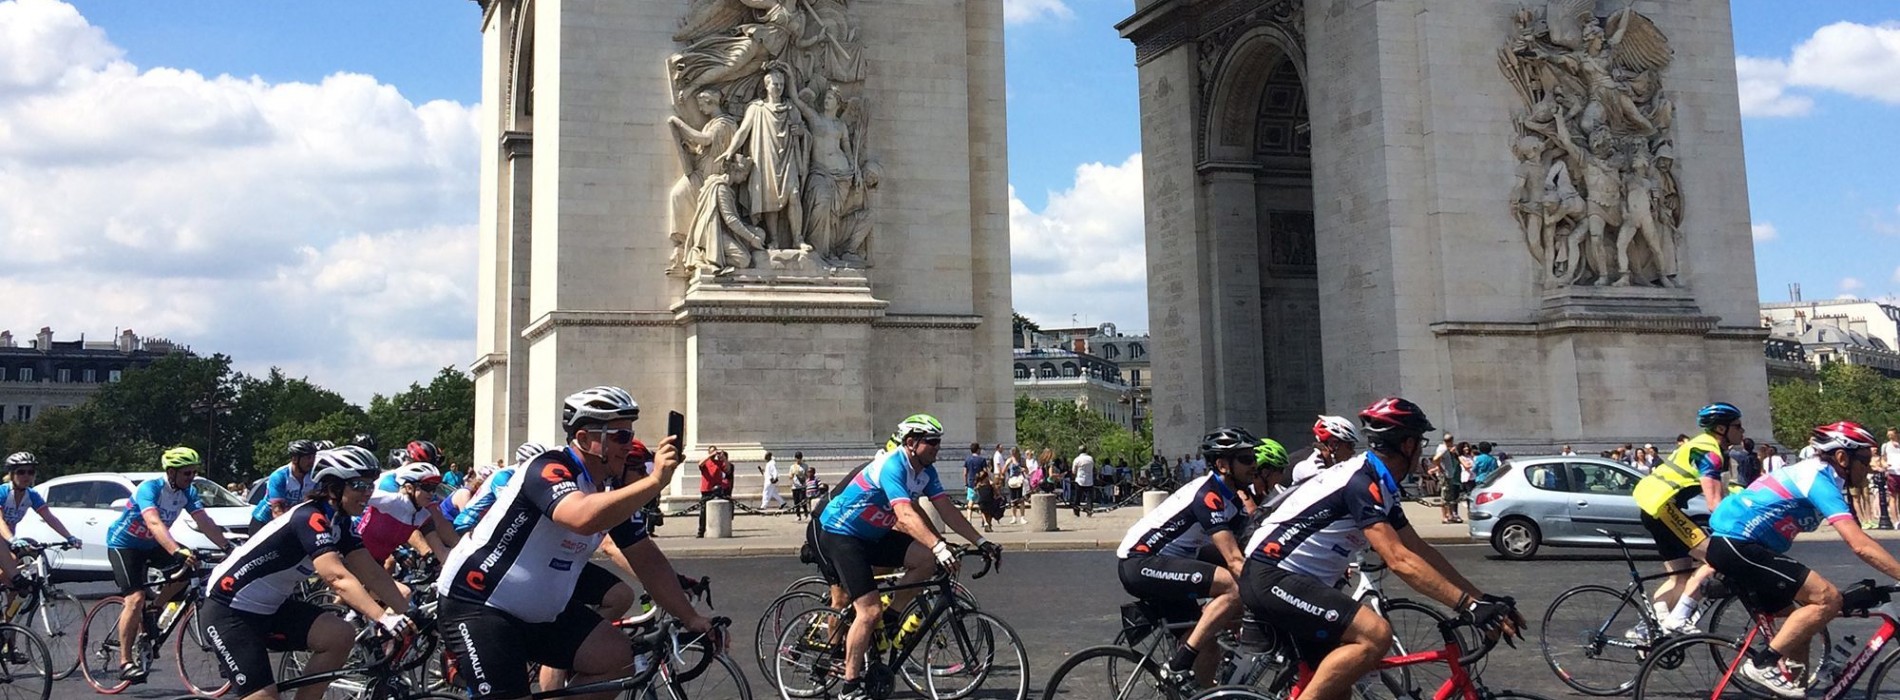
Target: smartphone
[676, 427]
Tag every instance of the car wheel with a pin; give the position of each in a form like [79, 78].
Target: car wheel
[1516, 539]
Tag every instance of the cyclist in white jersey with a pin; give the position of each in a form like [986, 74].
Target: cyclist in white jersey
[1159, 560]
[1297, 556]
[506, 591]
[17, 497]
[1334, 440]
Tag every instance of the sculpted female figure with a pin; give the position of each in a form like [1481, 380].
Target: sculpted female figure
[834, 173]
[772, 134]
[721, 58]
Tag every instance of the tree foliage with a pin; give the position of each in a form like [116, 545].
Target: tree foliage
[1842, 392]
[1062, 426]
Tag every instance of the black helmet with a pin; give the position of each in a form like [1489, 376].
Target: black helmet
[301, 448]
[1228, 442]
[1391, 419]
[424, 451]
[365, 441]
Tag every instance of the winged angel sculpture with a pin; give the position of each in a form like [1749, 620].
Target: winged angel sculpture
[792, 71]
[1595, 191]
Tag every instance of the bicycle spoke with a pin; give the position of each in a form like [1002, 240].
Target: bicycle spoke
[1586, 638]
[1691, 668]
[1108, 673]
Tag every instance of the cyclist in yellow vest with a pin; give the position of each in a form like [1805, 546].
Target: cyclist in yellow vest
[1694, 468]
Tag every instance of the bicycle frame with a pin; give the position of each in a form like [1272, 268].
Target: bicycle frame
[1459, 685]
[1849, 675]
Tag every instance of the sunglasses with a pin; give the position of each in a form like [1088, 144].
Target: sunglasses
[359, 484]
[22, 472]
[622, 436]
[188, 473]
[933, 442]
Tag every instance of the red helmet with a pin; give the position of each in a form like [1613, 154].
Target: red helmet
[424, 451]
[1845, 435]
[637, 453]
[1334, 429]
[1391, 419]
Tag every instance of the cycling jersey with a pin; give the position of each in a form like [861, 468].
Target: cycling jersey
[1307, 468]
[387, 482]
[388, 521]
[1186, 520]
[863, 509]
[14, 508]
[262, 574]
[1318, 527]
[1683, 472]
[129, 531]
[518, 560]
[284, 489]
[1782, 504]
[483, 499]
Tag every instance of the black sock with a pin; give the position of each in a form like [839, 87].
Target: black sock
[1183, 657]
[1767, 657]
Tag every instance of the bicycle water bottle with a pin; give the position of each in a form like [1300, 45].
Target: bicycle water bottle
[171, 613]
[911, 625]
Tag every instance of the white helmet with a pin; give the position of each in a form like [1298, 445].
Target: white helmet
[1335, 428]
[598, 405]
[418, 472]
[347, 462]
[528, 451]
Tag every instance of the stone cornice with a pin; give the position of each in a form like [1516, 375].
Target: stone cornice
[518, 144]
[930, 321]
[550, 321]
[1632, 323]
[487, 363]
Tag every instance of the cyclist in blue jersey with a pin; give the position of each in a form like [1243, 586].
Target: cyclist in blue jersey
[856, 534]
[1753, 530]
[16, 498]
[285, 487]
[142, 534]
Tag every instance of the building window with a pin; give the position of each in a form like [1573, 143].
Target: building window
[90, 376]
[1134, 377]
[112, 376]
[26, 374]
[22, 414]
[65, 376]
[1022, 372]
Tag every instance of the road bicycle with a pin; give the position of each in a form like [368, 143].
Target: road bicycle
[197, 664]
[375, 670]
[945, 648]
[26, 671]
[1461, 681]
[804, 594]
[1708, 665]
[39, 605]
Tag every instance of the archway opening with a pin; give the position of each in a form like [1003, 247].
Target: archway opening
[1289, 286]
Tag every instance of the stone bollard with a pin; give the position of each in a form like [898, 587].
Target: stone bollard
[719, 518]
[1150, 500]
[1042, 512]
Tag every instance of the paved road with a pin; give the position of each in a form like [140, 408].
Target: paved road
[1062, 601]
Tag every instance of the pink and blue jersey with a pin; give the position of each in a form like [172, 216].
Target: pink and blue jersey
[130, 532]
[863, 508]
[14, 503]
[1782, 504]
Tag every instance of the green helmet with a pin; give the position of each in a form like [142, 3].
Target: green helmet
[921, 425]
[1270, 454]
[179, 458]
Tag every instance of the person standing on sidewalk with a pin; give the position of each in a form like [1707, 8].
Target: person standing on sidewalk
[800, 505]
[715, 481]
[973, 465]
[770, 472]
[1890, 460]
[1083, 467]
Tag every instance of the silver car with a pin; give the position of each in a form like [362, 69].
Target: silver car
[1561, 501]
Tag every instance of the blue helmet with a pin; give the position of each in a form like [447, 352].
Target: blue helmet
[1718, 413]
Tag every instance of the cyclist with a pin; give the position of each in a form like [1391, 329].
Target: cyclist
[1694, 468]
[484, 497]
[502, 590]
[1158, 556]
[285, 487]
[248, 610]
[418, 451]
[1334, 441]
[365, 441]
[16, 498]
[1297, 556]
[856, 534]
[135, 542]
[1754, 529]
[1269, 479]
[407, 514]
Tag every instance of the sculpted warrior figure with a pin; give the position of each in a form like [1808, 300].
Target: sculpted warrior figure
[834, 175]
[1640, 223]
[700, 149]
[721, 240]
[773, 135]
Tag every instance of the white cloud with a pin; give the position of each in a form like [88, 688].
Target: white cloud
[1084, 254]
[1851, 284]
[326, 228]
[1021, 11]
[1856, 59]
[1765, 232]
[1763, 84]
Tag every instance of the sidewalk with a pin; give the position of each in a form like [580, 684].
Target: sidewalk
[775, 535]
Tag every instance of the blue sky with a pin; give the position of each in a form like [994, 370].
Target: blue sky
[181, 165]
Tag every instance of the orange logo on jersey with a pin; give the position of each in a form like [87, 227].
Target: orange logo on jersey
[227, 583]
[476, 580]
[1377, 496]
[1272, 550]
[1214, 501]
[556, 473]
[319, 523]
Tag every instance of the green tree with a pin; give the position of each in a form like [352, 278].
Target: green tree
[1062, 426]
[442, 412]
[1841, 392]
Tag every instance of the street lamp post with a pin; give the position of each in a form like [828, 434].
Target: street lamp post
[211, 407]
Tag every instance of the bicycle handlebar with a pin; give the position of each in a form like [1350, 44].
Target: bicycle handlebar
[25, 545]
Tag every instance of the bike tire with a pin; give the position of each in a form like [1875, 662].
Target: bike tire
[1585, 644]
[1233, 692]
[1691, 666]
[99, 647]
[1113, 673]
[1884, 683]
[809, 657]
[772, 624]
[815, 584]
[26, 668]
[1730, 619]
[195, 658]
[1415, 629]
[1515, 695]
[720, 679]
[971, 650]
[58, 620]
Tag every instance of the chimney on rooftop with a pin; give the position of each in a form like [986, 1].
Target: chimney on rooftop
[127, 342]
[6, 339]
[44, 341]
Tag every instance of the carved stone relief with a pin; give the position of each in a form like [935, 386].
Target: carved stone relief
[770, 128]
[1595, 193]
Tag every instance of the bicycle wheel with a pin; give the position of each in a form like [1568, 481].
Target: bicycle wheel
[1415, 629]
[809, 658]
[26, 669]
[1730, 619]
[772, 623]
[814, 584]
[1514, 695]
[1583, 639]
[719, 679]
[1112, 673]
[196, 659]
[99, 646]
[1691, 667]
[57, 621]
[971, 652]
[1885, 684]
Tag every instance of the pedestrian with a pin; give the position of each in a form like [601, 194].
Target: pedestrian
[814, 486]
[998, 460]
[1743, 463]
[1466, 483]
[1890, 467]
[1016, 478]
[1771, 459]
[973, 465]
[1483, 465]
[770, 472]
[715, 481]
[1083, 469]
[800, 506]
[987, 500]
[1035, 469]
[1567, 452]
[454, 475]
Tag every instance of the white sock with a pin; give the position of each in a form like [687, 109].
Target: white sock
[1661, 609]
[1684, 608]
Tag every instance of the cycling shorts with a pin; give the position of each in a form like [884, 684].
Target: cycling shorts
[1164, 579]
[593, 584]
[1674, 532]
[1310, 612]
[492, 648]
[1769, 579]
[849, 560]
[130, 564]
[243, 641]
